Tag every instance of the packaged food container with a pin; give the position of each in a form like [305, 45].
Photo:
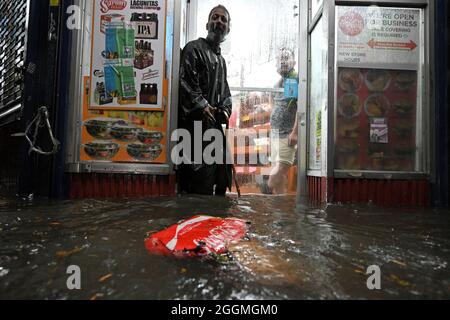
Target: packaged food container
[144, 152]
[101, 150]
[125, 132]
[150, 137]
[100, 128]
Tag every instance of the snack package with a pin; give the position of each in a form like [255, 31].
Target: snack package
[197, 236]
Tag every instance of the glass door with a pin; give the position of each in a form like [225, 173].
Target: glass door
[260, 29]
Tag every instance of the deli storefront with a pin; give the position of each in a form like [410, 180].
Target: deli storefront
[368, 119]
[371, 121]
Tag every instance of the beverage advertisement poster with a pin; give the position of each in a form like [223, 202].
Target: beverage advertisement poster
[124, 117]
[127, 57]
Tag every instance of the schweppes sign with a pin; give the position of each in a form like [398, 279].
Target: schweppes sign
[106, 5]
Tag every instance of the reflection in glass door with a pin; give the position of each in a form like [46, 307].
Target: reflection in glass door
[259, 30]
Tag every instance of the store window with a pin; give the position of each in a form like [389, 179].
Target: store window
[380, 115]
[315, 6]
[318, 95]
[376, 122]
[259, 28]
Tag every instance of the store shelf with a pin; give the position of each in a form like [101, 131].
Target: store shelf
[258, 127]
[252, 170]
[250, 120]
[252, 150]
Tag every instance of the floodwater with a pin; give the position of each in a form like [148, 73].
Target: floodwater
[293, 253]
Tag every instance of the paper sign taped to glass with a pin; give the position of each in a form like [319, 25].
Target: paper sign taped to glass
[379, 130]
[291, 88]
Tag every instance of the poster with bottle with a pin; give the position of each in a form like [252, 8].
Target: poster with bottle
[128, 55]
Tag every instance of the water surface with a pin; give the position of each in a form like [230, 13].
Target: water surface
[293, 253]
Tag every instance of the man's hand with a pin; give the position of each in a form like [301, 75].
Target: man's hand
[293, 139]
[208, 113]
[223, 116]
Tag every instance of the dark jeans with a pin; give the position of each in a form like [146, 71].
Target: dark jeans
[203, 180]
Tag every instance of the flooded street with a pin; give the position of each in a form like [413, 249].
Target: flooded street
[292, 253]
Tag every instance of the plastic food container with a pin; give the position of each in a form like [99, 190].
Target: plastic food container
[101, 150]
[100, 128]
[125, 133]
[144, 152]
[150, 137]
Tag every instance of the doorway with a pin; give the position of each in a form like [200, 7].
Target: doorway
[259, 30]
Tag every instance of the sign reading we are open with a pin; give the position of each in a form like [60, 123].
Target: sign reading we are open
[376, 35]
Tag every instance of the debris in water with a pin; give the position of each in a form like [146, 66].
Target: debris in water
[96, 296]
[64, 254]
[401, 282]
[3, 272]
[197, 236]
[399, 263]
[104, 278]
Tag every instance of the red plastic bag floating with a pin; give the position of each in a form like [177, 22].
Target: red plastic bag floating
[197, 236]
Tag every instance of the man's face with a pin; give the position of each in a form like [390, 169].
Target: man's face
[285, 63]
[218, 25]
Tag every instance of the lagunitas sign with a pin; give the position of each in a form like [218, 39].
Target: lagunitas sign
[107, 5]
[145, 5]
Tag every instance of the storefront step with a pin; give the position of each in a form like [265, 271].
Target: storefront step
[94, 185]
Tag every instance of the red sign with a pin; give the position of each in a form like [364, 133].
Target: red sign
[106, 5]
[392, 45]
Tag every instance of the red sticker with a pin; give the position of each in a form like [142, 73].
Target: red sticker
[107, 5]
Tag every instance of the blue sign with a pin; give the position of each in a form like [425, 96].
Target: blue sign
[290, 88]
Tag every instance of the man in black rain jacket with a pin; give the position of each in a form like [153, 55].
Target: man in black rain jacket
[205, 97]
